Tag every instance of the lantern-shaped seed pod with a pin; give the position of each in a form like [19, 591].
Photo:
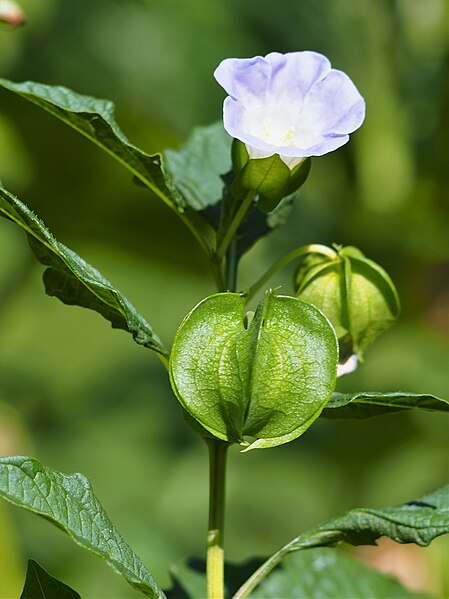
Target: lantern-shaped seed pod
[258, 381]
[355, 293]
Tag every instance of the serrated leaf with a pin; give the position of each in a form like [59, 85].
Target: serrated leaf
[268, 380]
[328, 574]
[419, 521]
[367, 404]
[75, 282]
[200, 170]
[94, 118]
[68, 502]
[40, 585]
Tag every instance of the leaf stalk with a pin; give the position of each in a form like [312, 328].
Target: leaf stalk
[312, 248]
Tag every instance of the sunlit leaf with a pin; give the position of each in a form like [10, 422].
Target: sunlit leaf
[95, 119]
[72, 280]
[68, 502]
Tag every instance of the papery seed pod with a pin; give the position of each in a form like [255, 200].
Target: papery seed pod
[259, 381]
[355, 293]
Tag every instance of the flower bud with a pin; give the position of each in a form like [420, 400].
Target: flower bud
[258, 380]
[269, 177]
[355, 293]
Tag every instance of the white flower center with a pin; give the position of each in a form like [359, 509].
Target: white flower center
[277, 135]
[289, 137]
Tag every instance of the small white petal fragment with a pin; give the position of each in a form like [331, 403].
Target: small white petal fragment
[349, 366]
[11, 13]
[293, 104]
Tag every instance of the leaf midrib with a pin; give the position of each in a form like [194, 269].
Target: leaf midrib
[77, 538]
[47, 106]
[49, 247]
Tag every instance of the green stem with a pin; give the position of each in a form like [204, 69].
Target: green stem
[217, 273]
[234, 225]
[261, 572]
[215, 548]
[313, 248]
[164, 359]
[231, 266]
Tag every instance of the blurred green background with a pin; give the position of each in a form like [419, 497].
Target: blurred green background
[82, 397]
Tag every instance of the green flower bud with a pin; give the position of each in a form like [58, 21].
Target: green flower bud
[355, 293]
[259, 379]
[270, 177]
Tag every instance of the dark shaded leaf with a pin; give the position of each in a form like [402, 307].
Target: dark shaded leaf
[40, 585]
[367, 404]
[74, 281]
[68, 502]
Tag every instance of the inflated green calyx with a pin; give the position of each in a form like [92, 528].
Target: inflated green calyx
[355, 293]
[259, 382]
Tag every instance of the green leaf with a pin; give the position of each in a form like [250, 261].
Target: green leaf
[94, 118]
[200, 169]
[40, 585]
[198, 165]
[419, 521]
[268, 380]
[318, 573]
[74, 281]
[328, 574]
[367, 404]
[68, 502]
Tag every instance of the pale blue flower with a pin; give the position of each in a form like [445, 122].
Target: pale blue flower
[293, 104]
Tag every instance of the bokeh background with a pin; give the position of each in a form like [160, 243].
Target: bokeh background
[82, 397]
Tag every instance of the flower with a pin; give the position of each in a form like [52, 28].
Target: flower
[293, 104]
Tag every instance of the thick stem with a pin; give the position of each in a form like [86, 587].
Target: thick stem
[215, 548]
